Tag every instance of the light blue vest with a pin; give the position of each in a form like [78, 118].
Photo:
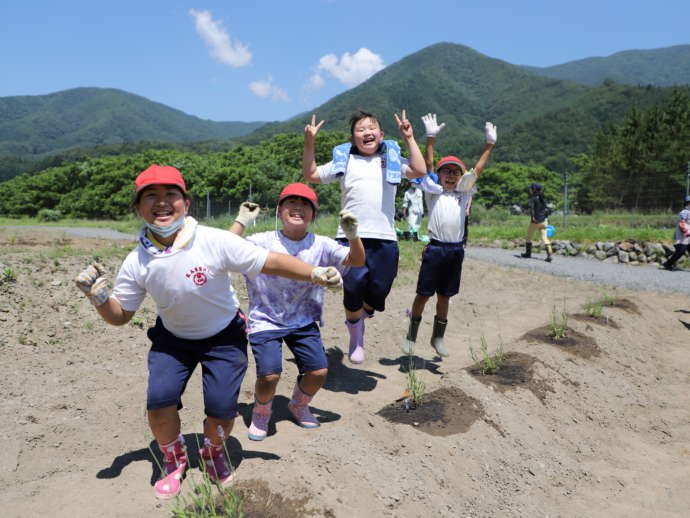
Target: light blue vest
[389, 151]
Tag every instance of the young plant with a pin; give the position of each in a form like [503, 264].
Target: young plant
[416, 389]
[594, 308]
[8, 276]
[559, 323]
[488, 362]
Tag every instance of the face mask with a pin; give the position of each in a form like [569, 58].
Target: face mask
[168, 230]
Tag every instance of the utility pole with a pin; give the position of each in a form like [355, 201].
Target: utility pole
[208, 204]
[565, 199]
[687, 182]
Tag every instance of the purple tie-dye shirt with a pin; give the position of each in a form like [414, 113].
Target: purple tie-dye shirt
[280, 303]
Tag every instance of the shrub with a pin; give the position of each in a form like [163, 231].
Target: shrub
[49, 215]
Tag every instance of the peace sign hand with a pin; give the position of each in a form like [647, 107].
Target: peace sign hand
[310, 130]
[404, 126]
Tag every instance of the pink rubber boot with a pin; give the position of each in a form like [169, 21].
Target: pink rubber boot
[356, 330]
[174, 465]
[216, 463]
[299, 408]
[261, 415]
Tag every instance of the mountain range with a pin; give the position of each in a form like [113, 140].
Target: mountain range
[544, 114]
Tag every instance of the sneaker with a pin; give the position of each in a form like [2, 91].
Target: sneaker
[548, 259]
[261, 415]
[216, 464]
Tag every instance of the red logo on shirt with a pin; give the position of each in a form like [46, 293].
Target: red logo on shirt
[198, 275]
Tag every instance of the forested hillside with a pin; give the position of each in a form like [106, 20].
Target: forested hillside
[33, 126]
[539, 119]
[669, 66]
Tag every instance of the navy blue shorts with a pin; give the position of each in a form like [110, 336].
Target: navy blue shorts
[372, 282]
[305, 344]
[441, 269]
[172, 361]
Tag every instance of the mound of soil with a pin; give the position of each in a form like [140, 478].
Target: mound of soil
[573, 343]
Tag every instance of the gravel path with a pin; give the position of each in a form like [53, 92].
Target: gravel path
[639, 278]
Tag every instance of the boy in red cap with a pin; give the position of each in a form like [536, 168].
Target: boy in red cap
[442, 258]
[369, 170]
[184, 267]
[283, 310]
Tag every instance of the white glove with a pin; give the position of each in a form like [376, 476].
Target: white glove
[93, 282]
[327, 276]
[490, 131]
[249, 211]
[348, 222]
[431, 126]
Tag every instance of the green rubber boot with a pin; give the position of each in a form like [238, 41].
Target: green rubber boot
[437, 336]
[411, 338]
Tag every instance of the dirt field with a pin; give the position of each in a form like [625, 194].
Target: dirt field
[594, 426]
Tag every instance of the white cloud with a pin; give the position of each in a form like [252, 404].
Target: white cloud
[266, 88]
[315, 82]
[221, 47]
[352, 69]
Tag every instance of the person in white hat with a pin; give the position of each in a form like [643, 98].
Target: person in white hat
[681, 236]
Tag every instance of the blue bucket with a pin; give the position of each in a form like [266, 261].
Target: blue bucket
[550, 230]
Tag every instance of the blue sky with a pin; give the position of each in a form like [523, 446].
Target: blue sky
[270, 60]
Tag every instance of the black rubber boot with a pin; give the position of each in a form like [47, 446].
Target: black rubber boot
[549, 252]
[437, 336]
[528, 250]
[411, 337]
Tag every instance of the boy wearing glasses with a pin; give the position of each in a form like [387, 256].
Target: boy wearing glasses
[447, 198]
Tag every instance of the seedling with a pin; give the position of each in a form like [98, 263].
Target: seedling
[594, 308]
[559, 323]
[416, 389]
[8, 276]
[488, 362]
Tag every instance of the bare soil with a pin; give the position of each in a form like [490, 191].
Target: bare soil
[551, 434]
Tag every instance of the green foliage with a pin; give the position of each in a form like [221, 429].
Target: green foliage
[49, 215]
[641, 163]
[416, 388]
[505, 184]
[7, 275]
[594, 308]
[488, 362]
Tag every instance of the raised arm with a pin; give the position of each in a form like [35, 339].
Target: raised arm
[309, 170]
[290, 267]
[490, 132]
[432, 130]
[94, 284]
[247, 215]
[416, 160]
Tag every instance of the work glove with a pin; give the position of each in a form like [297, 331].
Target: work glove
[249, 211]
[490, 131]
[348, 222]
[431, 126]
[93, 282]
[327, 276]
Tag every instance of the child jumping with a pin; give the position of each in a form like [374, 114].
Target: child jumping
[369, 170]
[185, 266]
[284, 310]
[442, 258]
[539, 211]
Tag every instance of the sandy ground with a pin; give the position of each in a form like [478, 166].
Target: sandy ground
[599, 427]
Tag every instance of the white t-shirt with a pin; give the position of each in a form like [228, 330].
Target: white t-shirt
[279, 303]
[191, 286]
[413, 201]
[365, 192]
[447, 209]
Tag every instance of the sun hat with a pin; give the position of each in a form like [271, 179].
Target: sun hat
[159, 174]
[447, 160]
[302, 191]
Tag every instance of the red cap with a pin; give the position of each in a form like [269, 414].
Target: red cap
[446, 160]
[159, 174]
[301, 190]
